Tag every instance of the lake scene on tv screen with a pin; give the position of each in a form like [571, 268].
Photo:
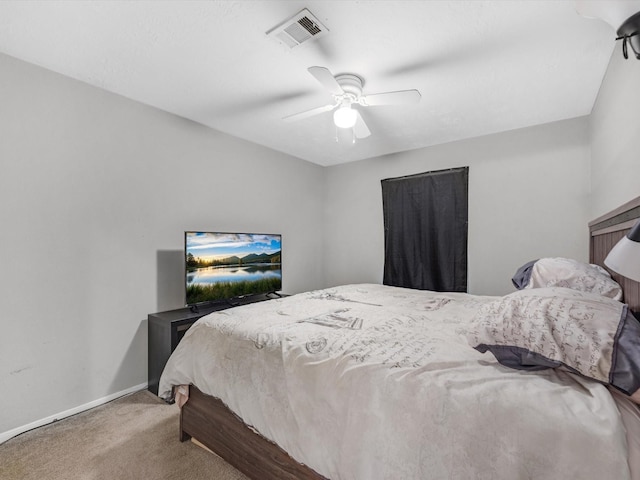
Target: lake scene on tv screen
[222, 266]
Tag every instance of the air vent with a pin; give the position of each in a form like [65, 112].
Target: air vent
[298, 29]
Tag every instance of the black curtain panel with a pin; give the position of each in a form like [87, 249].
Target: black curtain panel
[425, 230]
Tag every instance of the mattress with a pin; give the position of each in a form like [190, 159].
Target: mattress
[375, 382]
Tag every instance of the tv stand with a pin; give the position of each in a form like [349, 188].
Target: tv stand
[166, 329]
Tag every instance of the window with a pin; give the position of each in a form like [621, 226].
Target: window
[425, 230]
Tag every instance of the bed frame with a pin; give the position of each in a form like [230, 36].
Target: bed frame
[211, 423]
[605, 232]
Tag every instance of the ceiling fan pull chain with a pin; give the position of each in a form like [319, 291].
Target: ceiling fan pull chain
[624, 47]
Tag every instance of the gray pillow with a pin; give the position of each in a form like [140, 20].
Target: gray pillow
[522, 276]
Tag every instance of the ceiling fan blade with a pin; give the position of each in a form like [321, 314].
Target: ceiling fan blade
[360, 129]
[308, 113]
[326, 78]
[402, 97]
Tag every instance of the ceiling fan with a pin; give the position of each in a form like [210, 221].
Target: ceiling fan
[346, 90]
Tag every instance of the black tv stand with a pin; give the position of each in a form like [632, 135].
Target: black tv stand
[166, 329]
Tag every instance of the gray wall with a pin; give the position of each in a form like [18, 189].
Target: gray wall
[528, 198]
[615, 136]
[96, 190]
[95, 193]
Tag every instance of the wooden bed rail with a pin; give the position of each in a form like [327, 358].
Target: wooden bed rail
[209, 421]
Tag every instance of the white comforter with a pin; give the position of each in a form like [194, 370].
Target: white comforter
[373, 382]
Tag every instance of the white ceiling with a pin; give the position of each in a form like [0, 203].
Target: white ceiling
[481, 66]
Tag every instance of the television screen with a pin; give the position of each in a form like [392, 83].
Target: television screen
[222, 266]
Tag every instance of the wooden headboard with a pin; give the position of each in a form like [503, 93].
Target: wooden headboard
[605, 232]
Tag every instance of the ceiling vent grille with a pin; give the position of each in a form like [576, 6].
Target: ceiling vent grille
[298, 29]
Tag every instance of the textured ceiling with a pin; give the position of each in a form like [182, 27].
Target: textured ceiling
[481, 66]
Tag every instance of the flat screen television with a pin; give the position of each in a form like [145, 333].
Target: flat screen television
[226, 266]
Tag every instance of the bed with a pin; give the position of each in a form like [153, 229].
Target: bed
[375, 382]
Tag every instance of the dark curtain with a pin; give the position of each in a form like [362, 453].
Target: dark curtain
[425, 230]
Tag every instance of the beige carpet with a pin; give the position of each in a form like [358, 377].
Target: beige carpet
[134, 437]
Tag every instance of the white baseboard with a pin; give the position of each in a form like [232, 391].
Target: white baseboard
[4, 436]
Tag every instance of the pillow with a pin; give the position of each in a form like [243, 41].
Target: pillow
[568, 273]
[584, 333]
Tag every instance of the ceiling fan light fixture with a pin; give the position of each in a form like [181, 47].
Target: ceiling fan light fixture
[346, 89]
[345, 117]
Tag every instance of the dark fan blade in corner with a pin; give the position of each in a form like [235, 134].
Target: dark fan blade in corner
[326, 78]
[360, 129]
[308, 113]
[402, 97]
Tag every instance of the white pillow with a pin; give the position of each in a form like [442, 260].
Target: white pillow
[584, 333]
[567, 273]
